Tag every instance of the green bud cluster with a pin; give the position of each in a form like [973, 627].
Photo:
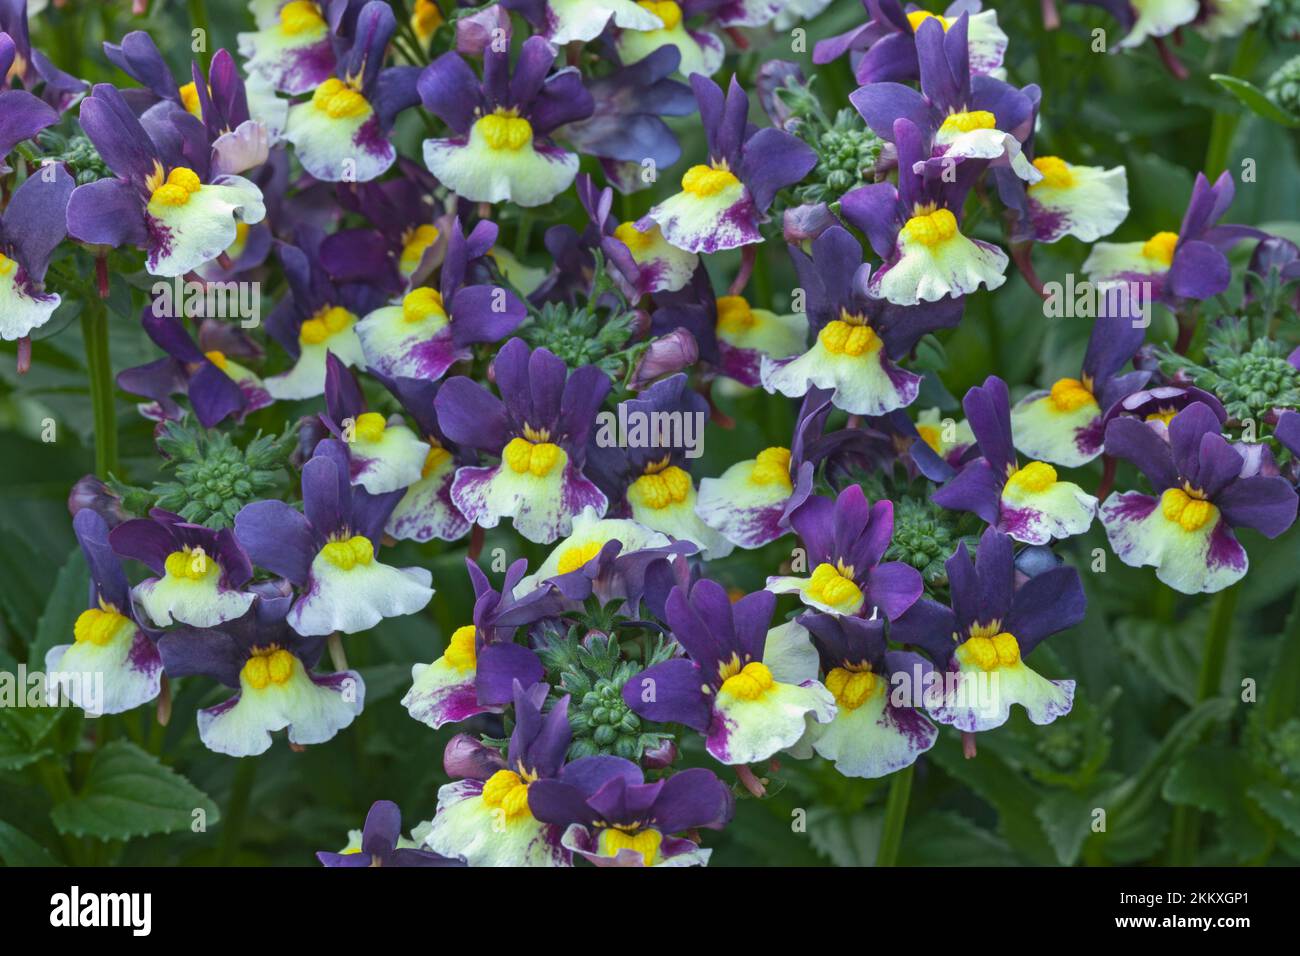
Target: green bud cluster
[214, 478]
[1250, 382]
[846, 153]
[1283, 87]
[1284, 749]
[923, 538]
[77, 152]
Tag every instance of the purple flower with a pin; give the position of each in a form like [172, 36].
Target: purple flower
[872, 734]
[166, 197]
[979, 645]
[19, 61]
[916, 228]
[500, 148]
[341, 133]
[1186, 532]
[845, 541]
[1028, 502]
[858, 336]
[539, 427]
[109, 641]
[486, 821]
[381, 844]
[329, 550]
[722, 203]
[614, 818]
[31, 227]
[750, 691]
[564, 21]
[270, 666]
[433, 329]
[294, 46]
[201, 573]
[885, 48]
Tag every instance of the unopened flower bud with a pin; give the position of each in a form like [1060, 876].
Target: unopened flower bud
[468, 758]
[474, 33]
[666, 355]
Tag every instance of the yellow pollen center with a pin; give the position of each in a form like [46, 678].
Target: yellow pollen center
[917, 17]
[299, 16]
[576, 555]
[708, 180]
[181, 184]
[750, 683]
[662, 489]
[931, 435]
[98, 626]
[852, 689]
[1165, 415]
[990, 653]
[1056, 172]
[217, 358]
[834, 586]
[7, 265]
[1070, 394]
[772, 467]
[268, 665]
[425, 19]
[1189, 511]
[968, 121]
[329, 321]
[434, 459]
[931, 229]
[191, 565]
[637, 242]
[338, 100]
[505, 131]
[421, 304]
[666, 10]
[505, 790]
[1035, 477]
[1161, 247]
[734, 314]
[645, 842]
[369, 426]
[537, 458]
[846, 338]
[460, 652]
[415, 244]
[345, 555]
[190, 99]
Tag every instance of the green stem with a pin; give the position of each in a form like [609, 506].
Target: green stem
[240, 790]
[900, 792]
[1224, 125]
[1184, 835]
[94, 331]
[522, 232]
[1283, 695]
[199, 21]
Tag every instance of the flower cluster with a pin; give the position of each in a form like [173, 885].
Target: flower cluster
[424, 394]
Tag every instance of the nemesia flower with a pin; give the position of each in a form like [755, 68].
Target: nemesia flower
[845, 541]
[607, 557]
[539, 426]
[748, 336]
[566, 21]
[1065, 425]
[201, 573]
[739, 684]
[433, 329]
[500, 148]
[1188, 264]
[979, 645]
[1028, 502]
[949, 444]
[109, 642]
[871, 735]
[1141, 19]
[1086, 202]
[293, 46]
[22, 115]
[317, 318]
[624, 130]
[1186, 532]
[329, 550]
[884, 48]
[1156, 405]
[1221, 19]
[384, 454]
[341, 133]
[478, 668]
[217, 386]
[487, 822]
[699, 50]
[916, 228]
[32, 225]
[426, 510]
[381, 844]
[722, 203]
[164, 198]
[858, 335]
[613, 818]
[270, 667]
[19, 61]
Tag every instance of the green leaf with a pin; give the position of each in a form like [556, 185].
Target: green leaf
[846, 839]
[66, 602]
[18, 849]
[941, 838]
[1253, 98]
[1280, 804]
[129, 793]
[1066, 817]
[1214, 779]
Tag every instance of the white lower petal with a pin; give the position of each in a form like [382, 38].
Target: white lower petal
[747, 731]
[541, 508]
[1193, 562]
[1044, 432]
[199, 602]
[863, 384]
[474, 171]
[953, 268]
[748, 515]
[1091, 206]
[346, 149]
[307, 377]
[184, 237]
[442, 693]
[106, 679]
[976, 700]
[725, 220]
[313, 709]
[875, 739]
[681, 522]
[394, 461]
[22, 308]
[468, 829]
[1061, 510]
[357, 599]
[426, 510]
